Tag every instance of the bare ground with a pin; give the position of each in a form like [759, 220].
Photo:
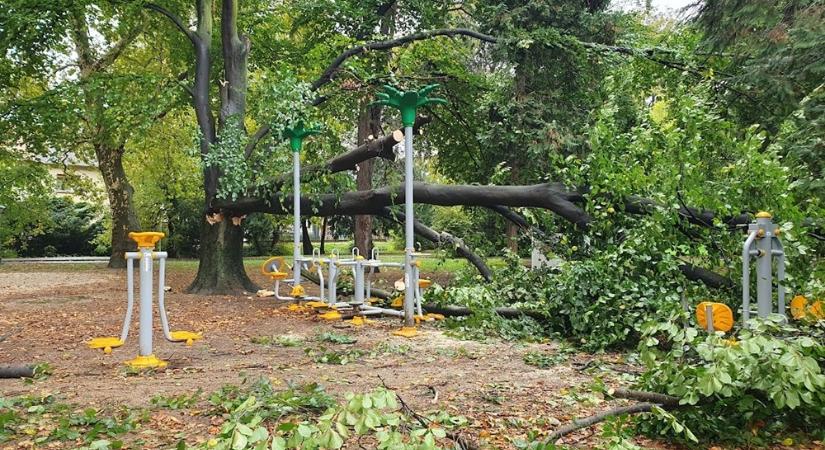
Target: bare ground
[48, 313]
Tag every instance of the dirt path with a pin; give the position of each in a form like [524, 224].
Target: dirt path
[48, 316]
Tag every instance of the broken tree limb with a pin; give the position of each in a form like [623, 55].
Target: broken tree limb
[644, 396]
[26, 371]
[578, 424]
[441, 239]
[709, 278]
[552, 196]
[461, 311]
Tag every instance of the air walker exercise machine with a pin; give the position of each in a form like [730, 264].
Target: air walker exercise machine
[762, 245]
[146, 244]
[274, 267]
[408, 103]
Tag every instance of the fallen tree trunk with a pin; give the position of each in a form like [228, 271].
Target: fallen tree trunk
[552, 196]
[16, 371]
[440, 239]
[462, 311]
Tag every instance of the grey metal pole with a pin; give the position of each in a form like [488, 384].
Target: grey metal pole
[409, 295]
[764, 271]
[709, 318]
[746, 277]
[146, 302]
[130, 297]
[296, 222]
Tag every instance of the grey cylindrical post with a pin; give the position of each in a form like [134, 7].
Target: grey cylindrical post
[764, 275]
[296, 222]
[709, 317]
[746, 277]
[358, 267]
[409, 230]
[779, 252]
[130, 297]
[145, 302]
[164, 321]
[333, 282]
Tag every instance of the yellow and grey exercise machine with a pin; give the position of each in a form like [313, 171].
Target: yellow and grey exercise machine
[408, 103]
[146, 359]
[274, 267]
[763, 245]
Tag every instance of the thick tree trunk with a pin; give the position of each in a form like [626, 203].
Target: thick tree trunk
[306, 241]
[552, 196]
[119, 191]
[368, 128]
[322, 247]
[221, 269]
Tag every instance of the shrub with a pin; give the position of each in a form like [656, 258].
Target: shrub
[758, 384]
[71, 229]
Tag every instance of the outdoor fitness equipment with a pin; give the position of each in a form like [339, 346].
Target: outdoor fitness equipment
[296, 135]
[763, 245]
[146, 244]
[407, 103]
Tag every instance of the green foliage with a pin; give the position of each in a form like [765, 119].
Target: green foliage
[270, 403]
[544, 360]
[336, 338]
[182, 401]
[282, 341]
[374, 414]
[24, 191]
[71, 229]
[753, 387]
[322, 355]
[44, 420]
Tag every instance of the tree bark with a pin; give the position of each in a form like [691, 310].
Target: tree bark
[220, 269]
[306, 241]
[322, 247]
[368, 128]
[119, 191]
[552, 196]
[442, 238]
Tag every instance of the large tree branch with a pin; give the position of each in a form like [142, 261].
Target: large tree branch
[193, 37]
[378, 148]
[117, 48]
[441, 239]
[552, 196]
[329, 72]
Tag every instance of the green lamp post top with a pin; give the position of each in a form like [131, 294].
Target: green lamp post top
[407, 102]
[298, 132]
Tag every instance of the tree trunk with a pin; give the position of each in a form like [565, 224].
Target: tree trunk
[306, 241]
[323, 235]
[119, 191]
[368, 127]
[221, 270]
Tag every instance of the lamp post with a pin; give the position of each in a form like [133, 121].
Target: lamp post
[408, 102]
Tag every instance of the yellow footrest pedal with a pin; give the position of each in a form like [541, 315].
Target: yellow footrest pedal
[360, 320]
[331, 315]
[185, 336]
[407, 332]
[105, 343]
[146, 362]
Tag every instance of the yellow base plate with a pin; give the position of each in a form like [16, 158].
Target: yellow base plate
[294, 307]
[406, 332]
[105, 343]
[298, 291]
[360, 320]
[315, 304]
[146, 362]
[185, 336]
[331, 315]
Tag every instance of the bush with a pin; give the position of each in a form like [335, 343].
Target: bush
[71, 229]
[754, 387]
